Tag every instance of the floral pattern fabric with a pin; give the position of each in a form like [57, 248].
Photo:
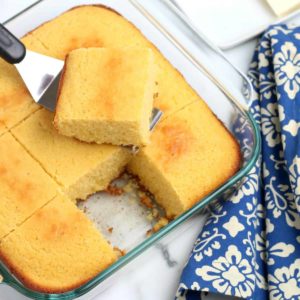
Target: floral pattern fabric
[250, 245]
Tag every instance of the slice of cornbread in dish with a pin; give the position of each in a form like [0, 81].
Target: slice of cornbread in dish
[106, 96]
[98, 26]
[57, 249]
[190, 155]
[24, 186]
[80, 168]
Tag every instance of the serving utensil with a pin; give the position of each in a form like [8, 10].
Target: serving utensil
[40, 73]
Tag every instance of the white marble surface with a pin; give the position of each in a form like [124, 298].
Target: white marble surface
[152, 275]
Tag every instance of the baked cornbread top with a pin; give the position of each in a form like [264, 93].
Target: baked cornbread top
[194, 152]
[106, 95]
[64, 158]
[24, 185]
[56, 249]
[102, 28]
[97, 26]
[106, 84]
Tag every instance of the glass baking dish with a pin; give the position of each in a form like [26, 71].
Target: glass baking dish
[200, 64]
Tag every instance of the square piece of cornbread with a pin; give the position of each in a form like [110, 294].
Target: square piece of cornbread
[24, 185]
[57, 249]
[80, 168]
[106, 95]
[190, 155]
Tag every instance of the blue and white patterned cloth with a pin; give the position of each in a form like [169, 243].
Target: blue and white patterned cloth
[250, 246]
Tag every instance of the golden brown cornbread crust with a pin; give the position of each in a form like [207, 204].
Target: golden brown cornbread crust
[174, 93]
[63, 231]
[168, 99]
[8, 261]
[183, 162]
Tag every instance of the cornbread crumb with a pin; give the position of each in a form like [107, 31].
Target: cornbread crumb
[145, 200]
[162, 222]
[114, 190]
[155, 212]
[106, 95]
[128, 188]
[150, 217]
[119, 252]
[149, 232]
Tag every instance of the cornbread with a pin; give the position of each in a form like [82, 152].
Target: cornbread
[97, 26]
[81, 169]
[189, 156]
[57, 249]
[44, 239]
[24, 185]
[106, 96]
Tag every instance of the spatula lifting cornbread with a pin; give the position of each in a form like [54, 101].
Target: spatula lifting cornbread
[106, 95]
[16, 102]
[57, 249]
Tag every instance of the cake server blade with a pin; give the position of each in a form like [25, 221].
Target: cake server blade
[40, 73]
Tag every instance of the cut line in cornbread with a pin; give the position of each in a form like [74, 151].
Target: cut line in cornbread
[24, 185]
[106, 95]
[57, 249]
[191, 154]
[80, 168]
[3, 128]
[16, 103]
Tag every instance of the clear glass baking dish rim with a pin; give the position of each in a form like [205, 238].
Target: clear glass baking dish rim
[7, 278]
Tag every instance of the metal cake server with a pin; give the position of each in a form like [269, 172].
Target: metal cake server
[40, 73]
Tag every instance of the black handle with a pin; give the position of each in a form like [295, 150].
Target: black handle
[12, 49]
